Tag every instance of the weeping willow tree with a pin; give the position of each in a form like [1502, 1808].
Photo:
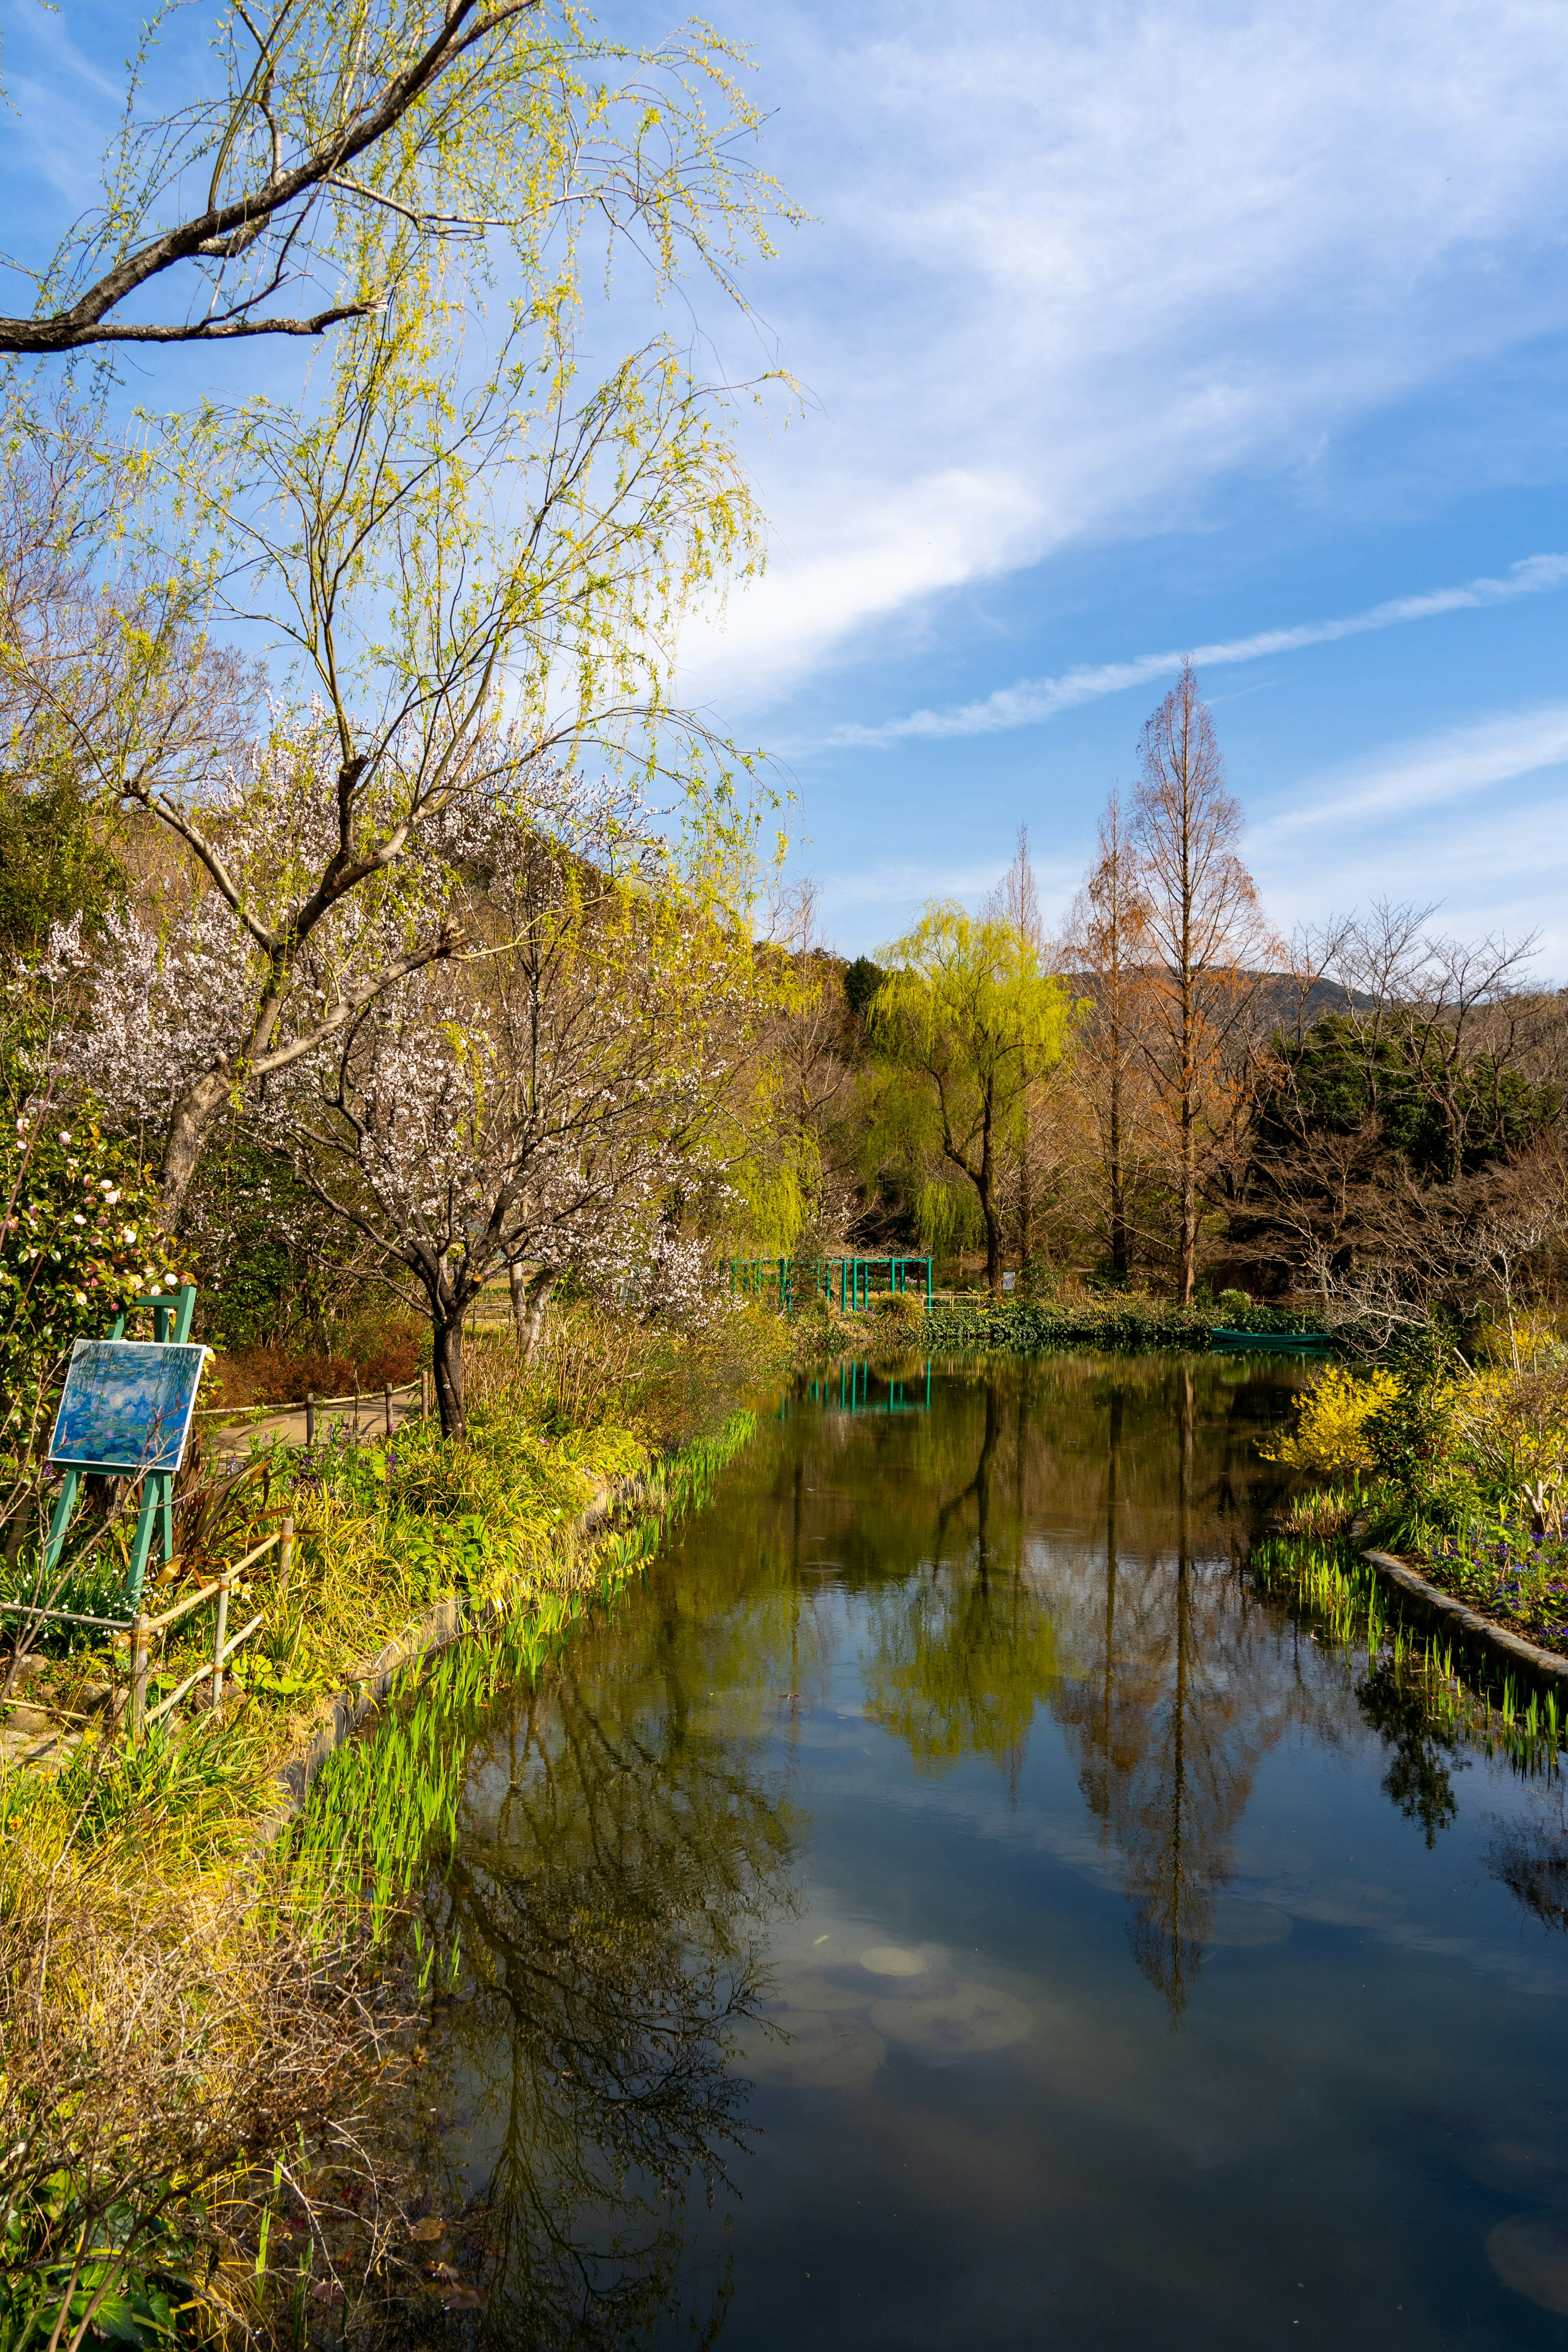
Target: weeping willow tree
[458, 550]
[288, 171]
[964, 1022]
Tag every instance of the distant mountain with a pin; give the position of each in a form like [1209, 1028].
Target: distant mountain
[1281, 997]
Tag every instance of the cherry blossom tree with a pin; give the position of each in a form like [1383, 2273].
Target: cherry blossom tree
[200, 994]
[545, 1111]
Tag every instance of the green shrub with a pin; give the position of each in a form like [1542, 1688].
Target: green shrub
[1232, 1304]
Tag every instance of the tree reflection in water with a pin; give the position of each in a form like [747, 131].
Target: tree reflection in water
[1144, 1645]
[616, 1863]
[1063, 1536]
[1424, 1752]
[1170, 1715]
[962, 1652]
[1530, 1858]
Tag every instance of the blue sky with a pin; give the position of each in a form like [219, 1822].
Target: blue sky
[1135, 329]
[1126, 331]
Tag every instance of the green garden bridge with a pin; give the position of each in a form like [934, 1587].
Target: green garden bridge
[851, 1282]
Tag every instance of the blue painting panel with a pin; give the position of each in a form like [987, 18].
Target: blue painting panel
[127, 1405]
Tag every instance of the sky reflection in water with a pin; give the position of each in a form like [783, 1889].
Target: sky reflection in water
[947, 1905]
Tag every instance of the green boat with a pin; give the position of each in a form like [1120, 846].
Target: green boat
[1275, 1343]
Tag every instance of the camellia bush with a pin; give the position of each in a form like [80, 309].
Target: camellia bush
[80, 1239]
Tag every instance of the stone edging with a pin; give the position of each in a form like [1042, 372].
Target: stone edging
[337, 1718]
[1548, 1663]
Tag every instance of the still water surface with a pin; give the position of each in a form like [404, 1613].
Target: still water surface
[946, 1905]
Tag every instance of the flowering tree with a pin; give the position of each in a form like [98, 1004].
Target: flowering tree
[526, 1103]
[193, 1004]
[544, 1110]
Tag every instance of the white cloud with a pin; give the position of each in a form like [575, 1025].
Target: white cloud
[885, 551]
[1084, 263]
[1426, 774]
[1397, 822]
[1036, 699]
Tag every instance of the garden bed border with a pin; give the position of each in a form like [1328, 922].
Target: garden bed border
[1550, 1663]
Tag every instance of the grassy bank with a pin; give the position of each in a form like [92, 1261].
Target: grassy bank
[1108, 1319]
[191, 2022]
[1455, 1462]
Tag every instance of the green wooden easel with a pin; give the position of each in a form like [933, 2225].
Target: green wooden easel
[171, 1321]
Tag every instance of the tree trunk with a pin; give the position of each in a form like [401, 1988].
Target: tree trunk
[194, 1112]
[530, 1295]
[986, 1187]
[1120, 1256]
[448, 1364]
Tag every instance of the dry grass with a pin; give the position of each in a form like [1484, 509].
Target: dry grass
[667, 1382]
[1319, 1513]
[167, 2028]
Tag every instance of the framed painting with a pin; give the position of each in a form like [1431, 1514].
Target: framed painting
[127, 1405]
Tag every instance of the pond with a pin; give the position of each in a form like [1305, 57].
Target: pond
[948, 1904]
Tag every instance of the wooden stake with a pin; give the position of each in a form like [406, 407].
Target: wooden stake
[224, 1586]
[310, 1419]
[386, 1399]
[286, 1554]
[140, 1648]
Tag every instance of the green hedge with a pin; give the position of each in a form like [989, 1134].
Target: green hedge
[1026, 1327]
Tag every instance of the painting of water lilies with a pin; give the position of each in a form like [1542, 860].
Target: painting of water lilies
[127, 1405]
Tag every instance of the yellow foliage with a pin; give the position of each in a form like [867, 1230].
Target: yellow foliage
[1531, 1335]
[1330, 1437]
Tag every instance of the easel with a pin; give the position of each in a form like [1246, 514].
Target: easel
[171, 1321]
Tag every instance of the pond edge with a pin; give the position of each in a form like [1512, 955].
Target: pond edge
[337, 1718]
[1548, 1663]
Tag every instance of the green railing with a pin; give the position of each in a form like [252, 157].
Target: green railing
[851, 1282]
[852, 1389]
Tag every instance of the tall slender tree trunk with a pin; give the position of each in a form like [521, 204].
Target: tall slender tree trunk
[1120, 1253]
[993, 1242]
[1187, 1257]
[987, 1191]
[530, 1295]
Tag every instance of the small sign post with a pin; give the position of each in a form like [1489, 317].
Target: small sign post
[126, 1410]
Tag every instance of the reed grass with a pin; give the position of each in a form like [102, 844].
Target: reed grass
[384, 1811]
[1349, 1606]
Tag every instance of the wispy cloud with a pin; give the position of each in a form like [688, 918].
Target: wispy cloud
[1469, 817]
[1075, 268]
[1427, 773]
[1033, 699]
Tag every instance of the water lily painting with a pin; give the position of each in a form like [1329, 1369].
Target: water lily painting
[127, 1405]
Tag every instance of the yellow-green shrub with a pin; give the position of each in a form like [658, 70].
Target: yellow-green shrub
[1330, 1439]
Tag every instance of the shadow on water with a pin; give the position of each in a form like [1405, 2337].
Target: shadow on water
[963, 1674]
[616, 1865]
